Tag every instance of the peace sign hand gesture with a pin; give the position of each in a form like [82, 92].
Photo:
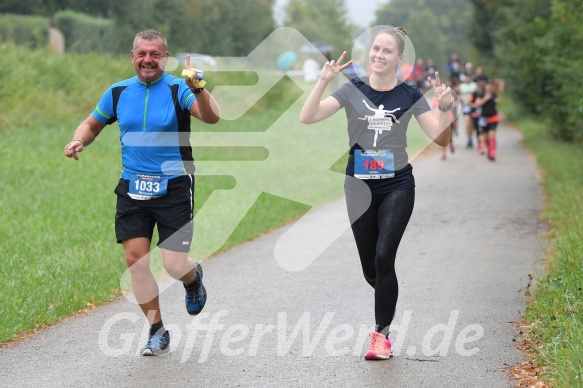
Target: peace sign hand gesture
[442, 92]
[332, 68]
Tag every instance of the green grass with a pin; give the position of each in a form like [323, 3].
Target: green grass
[59, 253]
[555, 314]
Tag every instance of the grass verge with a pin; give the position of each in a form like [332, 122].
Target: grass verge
[554, 316]
[59, 254]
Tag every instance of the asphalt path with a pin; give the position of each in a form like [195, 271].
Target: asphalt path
[463, 267]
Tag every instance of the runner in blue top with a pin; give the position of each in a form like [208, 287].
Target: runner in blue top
[379, 187]
[151, 117]
[156, 187]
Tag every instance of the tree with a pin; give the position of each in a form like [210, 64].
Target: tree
[565, 61]
[484, 24]
[322, 20]
[48, 8]
[449, 17]
[228, 28]
[427, 39]
[225, 28]
[20, 7]
[129, 19]
[516, 45]
[536, 44]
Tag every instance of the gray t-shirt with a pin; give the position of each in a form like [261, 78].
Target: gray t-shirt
[378, 120]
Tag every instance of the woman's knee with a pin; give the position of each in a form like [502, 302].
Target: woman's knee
[370, 279]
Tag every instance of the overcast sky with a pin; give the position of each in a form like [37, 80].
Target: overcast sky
[362, 12]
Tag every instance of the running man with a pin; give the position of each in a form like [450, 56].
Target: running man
[156, 187]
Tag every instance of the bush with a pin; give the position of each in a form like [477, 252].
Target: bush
[84, 33]
[31, 31]
[538, 47]
[43, 84]
[565, 59]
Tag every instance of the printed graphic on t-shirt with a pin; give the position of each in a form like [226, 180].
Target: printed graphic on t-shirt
[381, 120]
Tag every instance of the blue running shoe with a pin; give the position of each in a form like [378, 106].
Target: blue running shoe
[157, 345]
[195, 299]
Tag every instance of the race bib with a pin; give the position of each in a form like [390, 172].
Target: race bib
[482, 122]
[144, 187]
[467, 109]
[374, 164]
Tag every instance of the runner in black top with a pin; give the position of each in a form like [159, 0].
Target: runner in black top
[379, 187]
[489, 118]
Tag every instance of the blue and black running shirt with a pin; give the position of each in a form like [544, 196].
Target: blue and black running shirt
[154, 122]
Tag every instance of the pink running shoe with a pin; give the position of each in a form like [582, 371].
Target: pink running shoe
[481, 148]
[380, 347]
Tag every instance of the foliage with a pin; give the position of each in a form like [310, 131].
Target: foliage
[70, 83]
[229, 28]
[555, 315]
[564, 39]
[50, 7]
[536, 45]
[129, 20]
[84, 33]
[427, 39]
[59, 254]
[226, 28]
[31, 31]
[520, 48]
[442, 22]
[322, 20]
[484, 23]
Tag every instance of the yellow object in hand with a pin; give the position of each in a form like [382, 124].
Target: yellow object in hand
[192, 75]
[189, 73]
[199, 84]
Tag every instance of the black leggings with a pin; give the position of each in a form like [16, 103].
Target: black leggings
[378, 233]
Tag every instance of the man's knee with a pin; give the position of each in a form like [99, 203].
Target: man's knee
[137, 252]
[177, 264]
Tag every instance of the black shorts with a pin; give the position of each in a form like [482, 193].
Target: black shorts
[172, 214]
[490, 127]
[475, 122]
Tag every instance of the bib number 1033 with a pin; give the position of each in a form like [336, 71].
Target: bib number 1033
[147, 186]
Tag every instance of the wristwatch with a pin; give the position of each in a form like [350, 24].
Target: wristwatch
[446, 108]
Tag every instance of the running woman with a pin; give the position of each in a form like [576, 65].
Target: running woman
[489, 118]
[380, 170]
[468, 87]
[476, 113]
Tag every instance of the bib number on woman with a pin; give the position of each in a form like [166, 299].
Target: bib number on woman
[144, 187]
[374, 164]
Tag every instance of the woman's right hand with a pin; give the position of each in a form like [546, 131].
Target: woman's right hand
[332, 68]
